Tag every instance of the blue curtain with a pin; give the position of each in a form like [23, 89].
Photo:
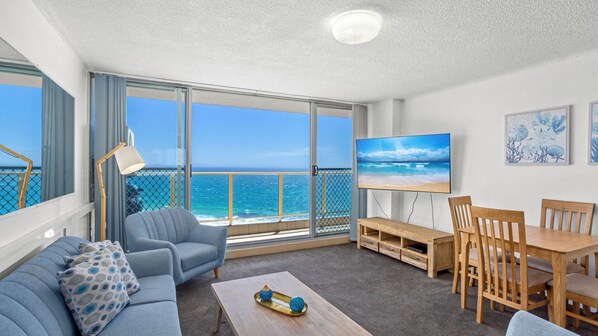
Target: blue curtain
[57, 176]
[109, 104]
[358, 196]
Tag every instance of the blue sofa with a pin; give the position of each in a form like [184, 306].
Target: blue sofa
[31, 302]
[195, 248]
[526, 324]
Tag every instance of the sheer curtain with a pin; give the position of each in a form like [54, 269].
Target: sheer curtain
[109, 104]
[57, 141]
[358, 197]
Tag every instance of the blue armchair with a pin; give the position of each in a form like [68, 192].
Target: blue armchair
[195, 248]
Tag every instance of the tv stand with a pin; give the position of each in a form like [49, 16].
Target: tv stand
[432, 249]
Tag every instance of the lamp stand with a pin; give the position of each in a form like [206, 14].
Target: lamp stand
[102, 190]
[23, 185]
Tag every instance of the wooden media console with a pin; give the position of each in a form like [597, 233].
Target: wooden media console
[428, 249]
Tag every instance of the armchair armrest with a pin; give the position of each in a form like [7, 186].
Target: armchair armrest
[144, 244]
[213, 235]
[207, 234]
[152, 262]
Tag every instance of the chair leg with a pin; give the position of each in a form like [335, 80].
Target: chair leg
[456, 270]
[480, 306]
[215, 272]
[550, 306]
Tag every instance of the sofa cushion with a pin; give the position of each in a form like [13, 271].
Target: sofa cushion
[195, 254]
[158, 318]
[92, 249]
[155, 289]
[94, 293]
[34, 284]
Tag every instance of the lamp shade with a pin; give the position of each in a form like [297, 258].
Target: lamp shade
[356, 27]
[128, 160]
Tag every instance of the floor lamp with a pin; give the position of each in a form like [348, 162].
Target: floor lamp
[128, 161]
[23, 185]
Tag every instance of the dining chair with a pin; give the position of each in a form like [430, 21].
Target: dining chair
[581, 289]
[565, 216]
[461, 215]
[499, 280]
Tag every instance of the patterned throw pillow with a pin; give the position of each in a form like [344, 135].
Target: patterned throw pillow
[89, 251]
[94, 293]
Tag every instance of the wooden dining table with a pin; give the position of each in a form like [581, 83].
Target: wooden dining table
[558, 247]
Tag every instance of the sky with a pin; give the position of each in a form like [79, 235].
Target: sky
[423, 148]
[20, 123]
[230, 137]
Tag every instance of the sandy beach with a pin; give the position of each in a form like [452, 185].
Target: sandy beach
[443, 187]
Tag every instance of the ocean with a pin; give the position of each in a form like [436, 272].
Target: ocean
[254, 196]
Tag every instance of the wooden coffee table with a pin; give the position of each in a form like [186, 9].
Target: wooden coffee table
[246, 317]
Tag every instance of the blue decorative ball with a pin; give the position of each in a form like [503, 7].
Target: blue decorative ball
[266, 294]
[297, 304]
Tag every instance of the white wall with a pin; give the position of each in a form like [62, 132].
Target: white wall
[383, 121]
[23, 27]
[474, 115]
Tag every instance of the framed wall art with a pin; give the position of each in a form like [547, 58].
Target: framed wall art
[593, 133]
[538, 137]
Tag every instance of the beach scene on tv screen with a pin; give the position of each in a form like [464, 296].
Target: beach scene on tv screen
[409, 163]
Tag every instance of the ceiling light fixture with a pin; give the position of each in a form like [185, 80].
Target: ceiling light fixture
[356, 27]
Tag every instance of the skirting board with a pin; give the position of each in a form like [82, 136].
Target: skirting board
[286, 246]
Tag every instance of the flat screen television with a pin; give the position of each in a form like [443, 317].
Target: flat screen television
[405, 163]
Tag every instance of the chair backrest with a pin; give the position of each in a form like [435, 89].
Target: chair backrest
[461, 215]
[568, 216]
[500, 233]
[171, 224]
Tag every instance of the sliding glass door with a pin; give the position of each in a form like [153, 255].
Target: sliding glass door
[250, 164]
[332, 171]
[156, 123]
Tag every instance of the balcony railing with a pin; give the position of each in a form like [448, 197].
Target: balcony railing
[245, 198]
[11, 179]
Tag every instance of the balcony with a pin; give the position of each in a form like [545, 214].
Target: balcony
[11, 180]
[253, 205]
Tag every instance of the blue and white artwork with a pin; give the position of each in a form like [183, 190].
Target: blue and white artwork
[538, 137]
[594, 132]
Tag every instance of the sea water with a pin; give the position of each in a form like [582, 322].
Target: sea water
[254, 196]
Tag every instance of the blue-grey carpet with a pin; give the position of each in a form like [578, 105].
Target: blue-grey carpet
[385, 296]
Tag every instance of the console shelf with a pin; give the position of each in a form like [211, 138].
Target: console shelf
[428, 249]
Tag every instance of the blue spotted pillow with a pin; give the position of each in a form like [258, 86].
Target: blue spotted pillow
[94, 293]
[89, 250]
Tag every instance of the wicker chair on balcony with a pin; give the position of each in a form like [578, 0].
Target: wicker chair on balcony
[196, 248]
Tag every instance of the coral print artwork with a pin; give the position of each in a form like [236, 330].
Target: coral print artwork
[538, 137]
[594, 132]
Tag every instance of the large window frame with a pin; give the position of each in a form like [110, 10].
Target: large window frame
[249, 99]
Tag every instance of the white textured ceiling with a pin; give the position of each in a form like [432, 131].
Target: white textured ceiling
[286, 46]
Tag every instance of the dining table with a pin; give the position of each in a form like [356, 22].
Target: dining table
[558, 247]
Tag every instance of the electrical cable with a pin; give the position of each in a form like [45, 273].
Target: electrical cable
[412, 207]
[375, 199]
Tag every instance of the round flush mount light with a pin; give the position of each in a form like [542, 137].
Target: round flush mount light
[356, 27]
